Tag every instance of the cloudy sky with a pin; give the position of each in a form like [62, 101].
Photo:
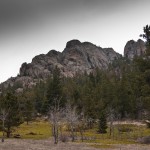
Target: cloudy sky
[32, 27]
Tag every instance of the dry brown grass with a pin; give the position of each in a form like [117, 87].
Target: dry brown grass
[24, 144]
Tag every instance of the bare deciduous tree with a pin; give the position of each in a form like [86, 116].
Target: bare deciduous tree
[72, 119]
[111, 117]
[56, 115]
[82, 125]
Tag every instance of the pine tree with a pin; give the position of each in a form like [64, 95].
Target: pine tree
[146, 36]
[28, 111]
[142, 65]
[40, 97]
[11, 106]
[54, 91]
[27, 105]
[102, 123]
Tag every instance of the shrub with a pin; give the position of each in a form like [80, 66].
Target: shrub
[148, 123]
[64, 138]
[144, 140]
[102, 123]
[125, 129]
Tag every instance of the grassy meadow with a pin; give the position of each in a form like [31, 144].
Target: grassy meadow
[34, 130]
[121, 134]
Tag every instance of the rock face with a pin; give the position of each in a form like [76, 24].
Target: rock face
[76, 58]
[81, 57]
[41, 65]
[133, 49]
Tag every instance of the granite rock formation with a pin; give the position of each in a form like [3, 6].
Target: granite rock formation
[76, 58]
[133, 48]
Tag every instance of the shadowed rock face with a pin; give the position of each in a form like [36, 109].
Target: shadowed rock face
[76, 58]
[133, 49]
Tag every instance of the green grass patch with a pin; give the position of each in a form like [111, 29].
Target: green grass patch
[34, 130]
[122, 133]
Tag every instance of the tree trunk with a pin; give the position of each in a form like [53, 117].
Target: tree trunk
[3, 137]
[55, 134]
[81, 132]
[110, 128]
[27, 122]
[8, 132]
[72, 134]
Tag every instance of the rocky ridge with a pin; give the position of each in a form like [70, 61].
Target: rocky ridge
[76, 58]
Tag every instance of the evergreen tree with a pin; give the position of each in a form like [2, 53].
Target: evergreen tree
[27, 104]
[40, 97]
[54, 91]
[146, 36]
[102, 123]
[29, 113]
[28, 110]
[142, 65]
[11, 106]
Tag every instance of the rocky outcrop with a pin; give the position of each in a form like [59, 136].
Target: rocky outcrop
[41, 65]
[133, 49]
[81, 57]
[76, 58]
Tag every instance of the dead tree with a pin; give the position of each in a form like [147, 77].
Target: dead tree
[82, 125]
[55, 117]
[111, 117]
[72, 119]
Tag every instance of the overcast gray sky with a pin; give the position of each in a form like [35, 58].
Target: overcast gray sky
[32, 27]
